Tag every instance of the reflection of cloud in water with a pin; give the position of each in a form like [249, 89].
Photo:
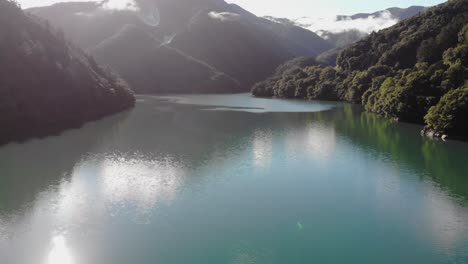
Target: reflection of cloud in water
[60, 253]
[138, 181]
[438, 214]
[448, 220]
[262, 148]
[316, 140]
[321, 140]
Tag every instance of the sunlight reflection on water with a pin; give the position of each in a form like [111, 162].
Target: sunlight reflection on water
[262, 148]
[139, 181]
[60, 253]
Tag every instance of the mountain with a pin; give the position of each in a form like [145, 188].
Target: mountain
[415, 71]
[231, 47]
[142, 68]
[342, 30]
[47, 84]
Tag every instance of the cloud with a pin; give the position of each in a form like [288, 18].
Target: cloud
[146, 10]
[367, 25]
[224, 16]
[119, 5]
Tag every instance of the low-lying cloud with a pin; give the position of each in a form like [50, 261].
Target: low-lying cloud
[146, 10]
[119, 5]
[224, 16]
[366, 25]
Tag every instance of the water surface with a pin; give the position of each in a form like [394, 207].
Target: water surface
[234, 179]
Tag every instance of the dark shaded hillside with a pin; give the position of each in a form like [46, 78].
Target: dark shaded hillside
[243, 53]
[415, 71]
[212, 32]
[46, 84]
[156, 68]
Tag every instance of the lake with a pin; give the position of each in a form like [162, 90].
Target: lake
[212, 179]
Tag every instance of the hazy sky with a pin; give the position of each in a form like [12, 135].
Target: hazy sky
[297, 8]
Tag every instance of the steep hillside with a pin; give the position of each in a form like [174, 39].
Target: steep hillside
[232, 41]
[415, 71]
[156, 68]
[46, 84]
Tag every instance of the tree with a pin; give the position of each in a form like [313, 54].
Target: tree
[449, 115]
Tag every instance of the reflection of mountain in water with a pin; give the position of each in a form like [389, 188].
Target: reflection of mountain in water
[32, 167]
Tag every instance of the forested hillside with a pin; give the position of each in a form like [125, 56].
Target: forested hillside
[415, 71]
[47, 84]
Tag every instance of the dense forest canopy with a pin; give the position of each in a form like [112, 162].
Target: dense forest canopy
[47, 84]
[415, 71]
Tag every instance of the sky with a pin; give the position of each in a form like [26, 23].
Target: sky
[297, 8]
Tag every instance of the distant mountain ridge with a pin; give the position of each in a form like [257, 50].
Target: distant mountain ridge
[232, 47]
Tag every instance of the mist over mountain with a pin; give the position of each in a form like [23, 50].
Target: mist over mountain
[232, 47]
[46, 83]
[342, 30]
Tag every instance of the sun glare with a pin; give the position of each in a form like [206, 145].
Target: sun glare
[60, 253]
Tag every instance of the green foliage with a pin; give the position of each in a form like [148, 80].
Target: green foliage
[463, 35]
[407, 96]
[459, 53]
[426, 50]
[449, 115]
[400, 72]
[420, 39]
[328, 58]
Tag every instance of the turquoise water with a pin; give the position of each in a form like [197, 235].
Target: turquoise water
[234, 179]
